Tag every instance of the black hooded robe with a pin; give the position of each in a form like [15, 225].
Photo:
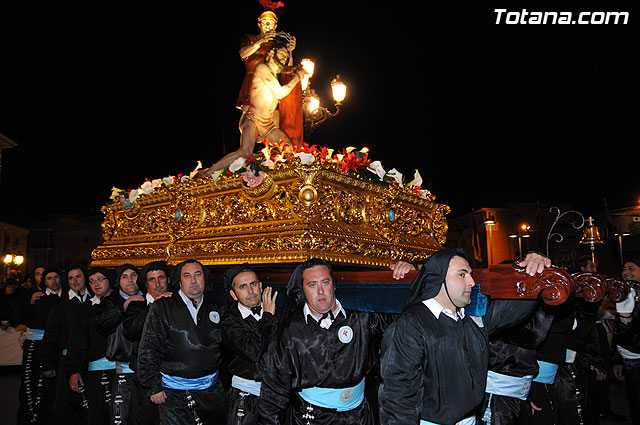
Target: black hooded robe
[305, 355]
[173, 344]
[435, 369]
[513, 353]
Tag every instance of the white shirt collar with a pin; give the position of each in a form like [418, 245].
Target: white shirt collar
[149, 298]
[246, 312]
[72, 294]
[192, 310]
[326, 322]
[48, 291]
[95, 300]
[436, 308]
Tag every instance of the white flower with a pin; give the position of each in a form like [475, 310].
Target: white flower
[195, 170]
[376, 168]
[146, 187]
[424, 193]
[115, 193]
[216, 174]
[236, 165]
[417, 179]
[133, 195]
[156, 183]
[269, 163]
[305, 158]
[167, 180]
[329, 154]
[396, 175]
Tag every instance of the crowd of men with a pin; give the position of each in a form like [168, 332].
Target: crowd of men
[152, 346]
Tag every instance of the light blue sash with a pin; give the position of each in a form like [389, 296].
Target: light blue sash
[547, 372]
[179, 383]
[34, 334]
[466, 421]
[510, 386]
[123, 367]
[247, 385]
[101, 364]
[341, 399]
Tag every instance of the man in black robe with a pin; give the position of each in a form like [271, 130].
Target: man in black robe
[248, 327]
[70, 405]
[155, 280]
[36, 394]
[321, 355]
[434, 357]
[86, 360]
[627, 341]
[512, 367]
[179, 356]
[109, 321]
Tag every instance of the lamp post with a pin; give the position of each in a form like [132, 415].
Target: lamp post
[620, 236]
[315, 114]
[489, 223]
[9, 260]
[520, 235]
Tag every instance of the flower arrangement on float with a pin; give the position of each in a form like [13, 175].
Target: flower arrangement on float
[350, 161]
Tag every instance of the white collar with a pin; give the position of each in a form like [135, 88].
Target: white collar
[72, 294]
[95, 300]
[192, 310]
[436, 308]
[48, 291]
[326, 322]
[149, 298]
[246, 312]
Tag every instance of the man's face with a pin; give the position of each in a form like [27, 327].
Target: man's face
[52, 280]
[99, 284]
[282, 56]
[318, 289]
[590, 267]
[129, 282]
[630, 271]
[37, 275]
[76, 280]
[156, 283]
[247, 289]
[192, 280]
[459, 281]
[267, 25]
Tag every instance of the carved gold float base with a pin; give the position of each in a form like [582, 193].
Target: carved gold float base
[297, 212]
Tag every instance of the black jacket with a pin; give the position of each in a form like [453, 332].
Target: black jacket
[173, 344]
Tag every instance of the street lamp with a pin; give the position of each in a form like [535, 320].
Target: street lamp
[315, 114]
[620, 236]
[520, 235]
[10, 259]
[490, 222]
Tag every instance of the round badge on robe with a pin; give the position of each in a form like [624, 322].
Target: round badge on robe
[214, 316]
[345, 334]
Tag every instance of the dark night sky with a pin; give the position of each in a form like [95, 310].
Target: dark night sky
[99, 94]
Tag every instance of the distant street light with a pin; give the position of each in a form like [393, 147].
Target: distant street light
[520, 235]
[620, 236]
[490, 222]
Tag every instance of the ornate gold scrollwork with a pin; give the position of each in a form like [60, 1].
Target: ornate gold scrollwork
[295, 212]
